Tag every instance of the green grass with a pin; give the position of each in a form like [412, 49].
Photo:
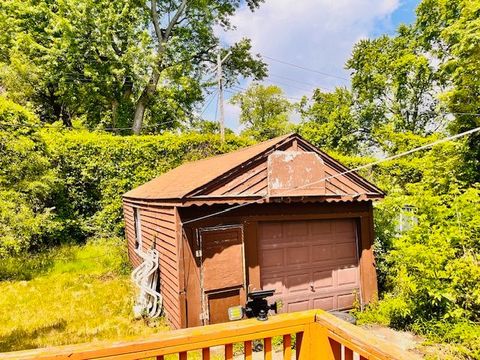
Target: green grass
[73, 294]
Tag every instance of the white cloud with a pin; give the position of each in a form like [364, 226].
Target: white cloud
[317, 34]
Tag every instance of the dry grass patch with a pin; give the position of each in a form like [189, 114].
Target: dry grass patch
[85, 295]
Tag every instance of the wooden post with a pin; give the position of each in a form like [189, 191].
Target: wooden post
[247, 349]
[314, 344]
[287, 347]
[220, 97]
[267, 348]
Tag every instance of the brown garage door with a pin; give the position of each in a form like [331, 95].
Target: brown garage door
[311, 264]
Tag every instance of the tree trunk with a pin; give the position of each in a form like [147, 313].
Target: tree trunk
[114, 114]
[142, 101]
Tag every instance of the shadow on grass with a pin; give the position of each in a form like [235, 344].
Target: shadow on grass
[25, 339]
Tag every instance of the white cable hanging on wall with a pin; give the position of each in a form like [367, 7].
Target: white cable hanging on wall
[149, 301]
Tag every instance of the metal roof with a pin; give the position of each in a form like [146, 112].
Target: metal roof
[242, 176]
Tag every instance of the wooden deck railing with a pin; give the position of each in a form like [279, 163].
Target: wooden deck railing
[318, 335]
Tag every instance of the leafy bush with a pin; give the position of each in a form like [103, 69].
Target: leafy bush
[436, 264]
[429, 272]
[27, 183]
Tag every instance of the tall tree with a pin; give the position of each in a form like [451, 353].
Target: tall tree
[184, 33]
[264, 111]
[449, 31]
[394, 83]
[110, 62]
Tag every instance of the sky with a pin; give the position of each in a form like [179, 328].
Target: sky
[308, 34]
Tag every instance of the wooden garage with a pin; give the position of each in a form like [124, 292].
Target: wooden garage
[278, 215]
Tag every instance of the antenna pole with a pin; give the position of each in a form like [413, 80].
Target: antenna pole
[220, 61]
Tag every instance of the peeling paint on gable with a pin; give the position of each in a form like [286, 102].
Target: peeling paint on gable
[291, 172]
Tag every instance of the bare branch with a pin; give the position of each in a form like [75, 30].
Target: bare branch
[175, 18]
[156, 24]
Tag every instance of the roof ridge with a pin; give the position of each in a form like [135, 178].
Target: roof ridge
[193, 177]
[236, 151]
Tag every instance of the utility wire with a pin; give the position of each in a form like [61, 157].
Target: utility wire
[238, 88]
[393, 157]
[277, 82]
[305, 68]
[300, 82]
[449, 138]
[209, 101]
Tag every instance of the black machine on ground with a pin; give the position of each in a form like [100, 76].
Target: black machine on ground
[256, 306]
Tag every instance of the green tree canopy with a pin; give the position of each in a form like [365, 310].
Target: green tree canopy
[330, 123]
[264, 111]
[394, 83]
[118, 63]
[449, 31]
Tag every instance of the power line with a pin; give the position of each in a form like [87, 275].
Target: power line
[276, 82]
[238, 88]
[211, 97]
[449, 138]
[305, 68]
[301, 82]
[393, 157]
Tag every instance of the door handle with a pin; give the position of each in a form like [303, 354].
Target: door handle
[312, 287]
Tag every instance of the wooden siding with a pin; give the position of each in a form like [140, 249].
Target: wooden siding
[253, 181]
[159, 231]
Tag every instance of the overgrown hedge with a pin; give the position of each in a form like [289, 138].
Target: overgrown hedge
[59, 185]
[95, 169]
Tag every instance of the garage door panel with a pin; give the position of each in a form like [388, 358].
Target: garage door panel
[325, 303]
[345, 301]
[310, 264]
[345, 251]
[298, 306]
[274, 283]
[270, 231]
[298, 255]
[323, 252]
[342, 226]
[323, 279]
[297, 282]
[348, 276]
[319, 228]
[295, 228]
[272, 258]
